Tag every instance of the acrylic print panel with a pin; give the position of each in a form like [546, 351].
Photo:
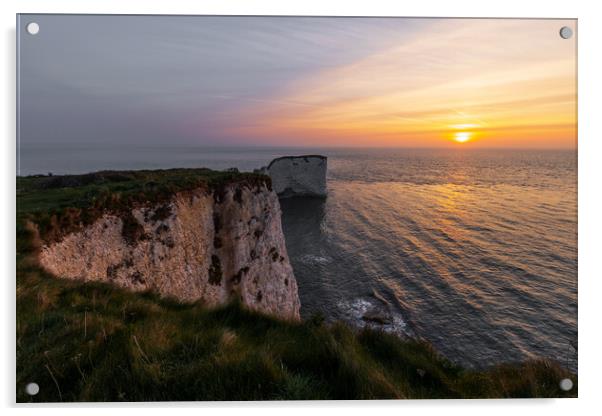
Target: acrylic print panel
[263, 208]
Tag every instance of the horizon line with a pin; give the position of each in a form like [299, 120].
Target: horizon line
[268, 146]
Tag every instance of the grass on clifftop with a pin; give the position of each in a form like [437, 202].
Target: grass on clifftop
[96, 342]
[59, 204]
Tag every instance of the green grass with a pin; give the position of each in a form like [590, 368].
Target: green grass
[61, 204]
[96, 342]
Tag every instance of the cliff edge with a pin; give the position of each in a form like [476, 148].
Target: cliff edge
[206, 241]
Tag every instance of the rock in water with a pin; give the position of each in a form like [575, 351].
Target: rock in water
[198, 245]
[298, 175]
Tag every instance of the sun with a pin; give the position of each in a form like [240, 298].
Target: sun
[462, 136]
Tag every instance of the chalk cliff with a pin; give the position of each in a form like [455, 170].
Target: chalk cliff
[200, 244]
[298, 175]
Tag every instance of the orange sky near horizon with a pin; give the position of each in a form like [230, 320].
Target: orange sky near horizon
[458, 82]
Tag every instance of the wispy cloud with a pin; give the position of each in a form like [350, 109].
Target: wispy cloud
[493, 75]
[261, 80]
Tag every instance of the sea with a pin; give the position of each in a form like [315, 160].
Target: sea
[474, 251]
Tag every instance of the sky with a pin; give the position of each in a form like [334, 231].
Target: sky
[287, 81]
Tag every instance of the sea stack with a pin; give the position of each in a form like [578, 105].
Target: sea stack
[298, 175]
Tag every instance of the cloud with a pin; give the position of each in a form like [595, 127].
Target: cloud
[490, 73]
[264, 80]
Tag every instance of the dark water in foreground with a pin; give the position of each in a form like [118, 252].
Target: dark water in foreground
[475, 251]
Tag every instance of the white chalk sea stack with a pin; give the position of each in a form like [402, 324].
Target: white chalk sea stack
[298, 175]
[197, 246]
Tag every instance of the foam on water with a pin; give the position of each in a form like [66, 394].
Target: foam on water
[313, 259]
[357, 313]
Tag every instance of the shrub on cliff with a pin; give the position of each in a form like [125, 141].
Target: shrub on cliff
[60, 204]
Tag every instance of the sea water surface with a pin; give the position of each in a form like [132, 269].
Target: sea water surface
[472, 250]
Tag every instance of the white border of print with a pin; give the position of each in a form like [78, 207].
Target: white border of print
[590, 200]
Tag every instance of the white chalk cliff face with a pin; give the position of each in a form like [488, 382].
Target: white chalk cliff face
[298, 175]
[197, 246]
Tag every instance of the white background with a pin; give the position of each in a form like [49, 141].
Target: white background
[590, 201]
